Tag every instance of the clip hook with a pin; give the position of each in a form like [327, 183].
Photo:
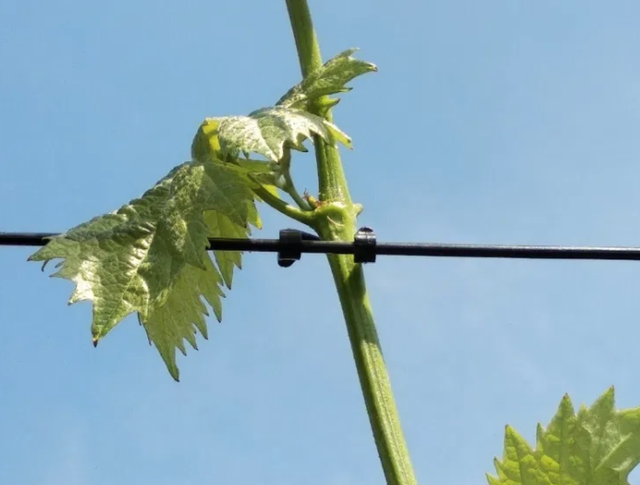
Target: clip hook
[364, 246]
[291, 246]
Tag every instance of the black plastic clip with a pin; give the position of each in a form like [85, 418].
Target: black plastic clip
[291, 242]
[364, 246]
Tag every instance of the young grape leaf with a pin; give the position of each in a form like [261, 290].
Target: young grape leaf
[330, 78]
[169, 324]
[596, 446]
[267, 132]
[150, 255]
[219, 225]
[270, 131]
[258, 173]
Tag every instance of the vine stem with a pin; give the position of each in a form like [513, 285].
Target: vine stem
[335, 219]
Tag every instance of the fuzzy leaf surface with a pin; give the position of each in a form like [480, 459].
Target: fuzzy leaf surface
[150, 256]
[330, 78]
[596, 446]
[267, 132]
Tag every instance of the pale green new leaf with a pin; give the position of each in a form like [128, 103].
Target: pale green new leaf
[330, 78]
[169, 324]
[267, 132]
[596, 446]
[270, 131]
[150, 256]
[221, 226]
[259, 173]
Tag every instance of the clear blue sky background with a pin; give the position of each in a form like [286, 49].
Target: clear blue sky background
[489, 122]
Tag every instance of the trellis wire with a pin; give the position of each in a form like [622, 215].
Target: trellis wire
[389, 249]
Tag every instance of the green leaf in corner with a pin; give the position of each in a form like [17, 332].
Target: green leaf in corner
[150, 256]
[596, 446]
[267, 132]
[330, 78]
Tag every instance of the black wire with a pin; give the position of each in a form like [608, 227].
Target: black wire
[24, 238]
[389, 249]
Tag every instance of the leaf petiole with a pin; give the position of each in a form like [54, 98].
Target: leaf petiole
[289, 186]
[305, 217]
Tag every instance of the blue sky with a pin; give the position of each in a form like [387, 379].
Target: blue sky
[488, 122]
